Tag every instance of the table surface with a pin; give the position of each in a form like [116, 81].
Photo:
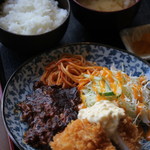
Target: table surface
[11, 60]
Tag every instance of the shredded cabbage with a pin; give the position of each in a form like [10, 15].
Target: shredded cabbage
[130, 92]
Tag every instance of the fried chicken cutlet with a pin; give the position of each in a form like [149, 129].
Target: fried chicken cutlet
[82, 135]
[128, 135]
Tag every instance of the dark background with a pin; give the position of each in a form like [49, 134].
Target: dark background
[10, 60]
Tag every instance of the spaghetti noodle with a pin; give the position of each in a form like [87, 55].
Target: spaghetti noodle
[66, 72]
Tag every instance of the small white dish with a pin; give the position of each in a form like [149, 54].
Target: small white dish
[136, 40]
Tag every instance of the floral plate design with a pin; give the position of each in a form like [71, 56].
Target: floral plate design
[21, 82]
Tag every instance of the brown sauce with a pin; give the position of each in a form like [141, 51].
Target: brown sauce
[142, 46]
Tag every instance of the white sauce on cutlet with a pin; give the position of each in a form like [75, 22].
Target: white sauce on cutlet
[105, 112]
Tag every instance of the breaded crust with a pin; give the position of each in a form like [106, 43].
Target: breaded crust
[129, 133]
[82, 135]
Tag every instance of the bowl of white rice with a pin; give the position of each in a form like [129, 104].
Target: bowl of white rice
[33, 24]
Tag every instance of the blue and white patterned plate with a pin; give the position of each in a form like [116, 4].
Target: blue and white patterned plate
[21, 82]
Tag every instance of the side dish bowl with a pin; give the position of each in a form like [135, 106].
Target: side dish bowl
[104, 20]
[21, 82]
[38, 41]
[136, 40]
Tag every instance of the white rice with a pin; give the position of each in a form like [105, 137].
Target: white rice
[31, 17]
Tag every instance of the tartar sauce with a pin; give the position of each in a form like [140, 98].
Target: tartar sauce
[105, 112]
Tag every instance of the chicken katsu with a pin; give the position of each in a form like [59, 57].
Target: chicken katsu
[82, 135]
[128, 135]
[96, 128]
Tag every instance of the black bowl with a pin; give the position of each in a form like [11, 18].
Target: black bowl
[103, 20]
[36, 42]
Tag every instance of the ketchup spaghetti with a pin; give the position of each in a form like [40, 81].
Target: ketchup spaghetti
[66, 71]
